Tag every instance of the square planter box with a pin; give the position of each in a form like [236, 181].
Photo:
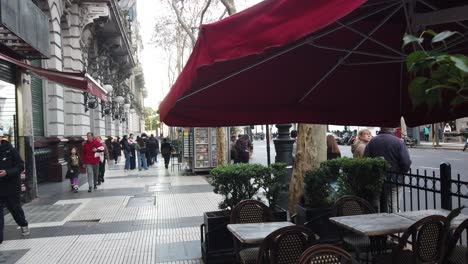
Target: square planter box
[216, 240]
[321, 225]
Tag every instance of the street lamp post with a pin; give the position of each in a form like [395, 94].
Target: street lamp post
[284, 144]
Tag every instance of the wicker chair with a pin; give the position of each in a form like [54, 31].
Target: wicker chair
[249, 211]
[285, 245]
[326, 254]
[457, 254]
[353, 205]
[428, 237]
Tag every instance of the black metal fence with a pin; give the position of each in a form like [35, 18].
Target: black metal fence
[422, 190]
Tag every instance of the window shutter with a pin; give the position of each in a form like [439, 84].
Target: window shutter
[37, 102]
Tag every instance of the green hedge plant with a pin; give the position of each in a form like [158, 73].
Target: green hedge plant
[237, 182]
[317, 190]
[363, 177]
[273, 183]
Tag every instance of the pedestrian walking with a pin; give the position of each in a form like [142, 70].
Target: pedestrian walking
[103, 157]
[127, 153]
[74, 164]
[149, 159]
[140, 149]
[333, 151]
[233, 149]
[153, 148]
[90, 159]
[11, 166]
[108, 144]
[394, 151]
[131, 144]
[166, 151]
[116, 149]
[426, 133]
[358, 147]
[243, 149]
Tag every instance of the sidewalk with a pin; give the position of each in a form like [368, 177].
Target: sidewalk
[446, 146]
[151, 216]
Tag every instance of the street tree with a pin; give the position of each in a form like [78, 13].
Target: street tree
[179, 31]
[311, 150]
[151, 119]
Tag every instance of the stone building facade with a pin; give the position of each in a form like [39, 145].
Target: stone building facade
[100, 38]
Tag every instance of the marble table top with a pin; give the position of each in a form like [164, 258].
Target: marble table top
[374, 224]
[255, 233]
[418, 215]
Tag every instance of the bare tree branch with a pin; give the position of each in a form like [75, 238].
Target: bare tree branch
[204, 11]
[181, 21]
[230, 6]
[223, 14]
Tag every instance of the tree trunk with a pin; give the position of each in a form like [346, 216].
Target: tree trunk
[221, 135]
[311, 150]
[220, 145]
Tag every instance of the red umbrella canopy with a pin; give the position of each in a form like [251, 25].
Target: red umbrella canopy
[322, 61]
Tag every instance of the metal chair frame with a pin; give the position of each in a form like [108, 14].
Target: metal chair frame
[325, 254]
[453, 240]
[238, 217]
[284, 240]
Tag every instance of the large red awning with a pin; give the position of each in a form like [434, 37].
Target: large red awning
[323, 62]
[80, 81]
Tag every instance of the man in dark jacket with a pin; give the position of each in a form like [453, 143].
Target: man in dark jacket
[166, 151]
[394, 151]
[11, 166]
[153, 148]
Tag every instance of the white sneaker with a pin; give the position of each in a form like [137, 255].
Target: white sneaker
[25, 231]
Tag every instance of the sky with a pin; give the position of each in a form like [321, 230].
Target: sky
[153, 59]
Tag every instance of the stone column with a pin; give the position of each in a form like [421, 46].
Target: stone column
[77, 121]
[25, 133]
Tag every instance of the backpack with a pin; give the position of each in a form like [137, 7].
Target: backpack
[143, 148]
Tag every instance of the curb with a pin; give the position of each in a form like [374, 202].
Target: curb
[460, 148]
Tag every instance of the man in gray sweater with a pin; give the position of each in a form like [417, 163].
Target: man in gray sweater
[393, 150]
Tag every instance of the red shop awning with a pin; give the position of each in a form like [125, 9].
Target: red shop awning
[306, 61]
[79, 81]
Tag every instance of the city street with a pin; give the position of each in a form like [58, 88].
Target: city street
[423, 159]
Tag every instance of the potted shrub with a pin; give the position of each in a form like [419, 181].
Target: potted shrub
[273, 184]
[235, 182]
[317, 195]
[316, 207]
[363, 177]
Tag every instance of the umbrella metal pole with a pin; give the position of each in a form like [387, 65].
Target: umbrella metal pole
[268, 144]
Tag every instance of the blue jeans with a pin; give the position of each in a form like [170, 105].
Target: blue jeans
[155, 157]
[142, 161]
[127, 159]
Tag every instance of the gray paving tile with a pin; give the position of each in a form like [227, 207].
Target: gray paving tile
[141, 201]
[92, 227]
[178, 251]
[44, 213]
[11, 256]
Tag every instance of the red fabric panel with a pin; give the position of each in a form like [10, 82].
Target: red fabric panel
[226, 81]
[266, 25]
[80, 81]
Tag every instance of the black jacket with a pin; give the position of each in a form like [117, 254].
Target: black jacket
[11, 162]
[125, 145]
[392, 150]
[166, 149]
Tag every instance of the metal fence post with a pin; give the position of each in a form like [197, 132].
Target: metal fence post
[446, 185]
